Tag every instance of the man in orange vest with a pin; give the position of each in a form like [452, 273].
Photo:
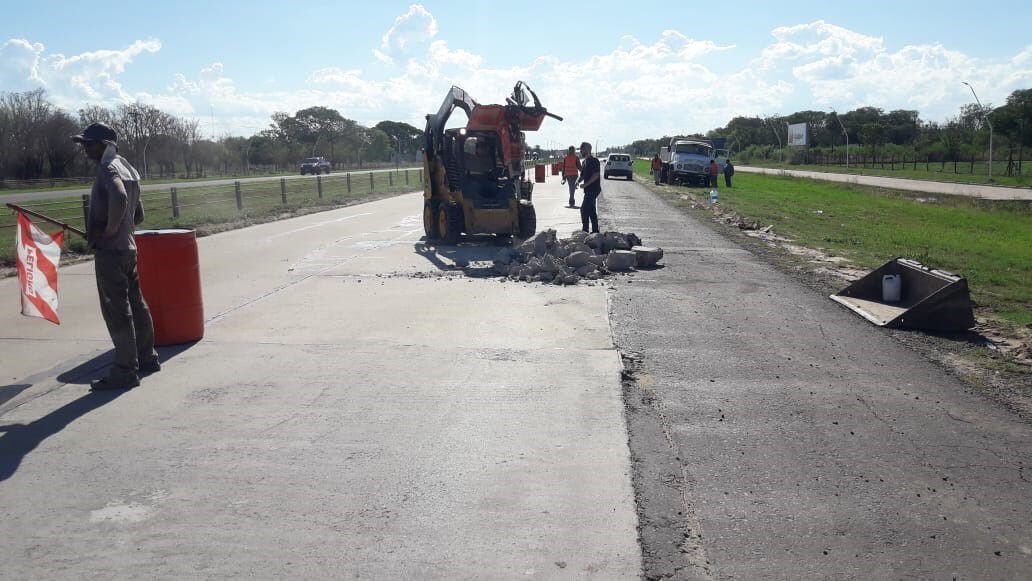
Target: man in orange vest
[657, 168]
[571, 169]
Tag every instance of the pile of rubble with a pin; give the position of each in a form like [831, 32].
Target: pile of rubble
[546, 258]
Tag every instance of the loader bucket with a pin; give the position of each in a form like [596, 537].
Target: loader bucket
[933, 300]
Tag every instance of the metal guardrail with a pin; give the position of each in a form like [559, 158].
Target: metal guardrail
[193, 204]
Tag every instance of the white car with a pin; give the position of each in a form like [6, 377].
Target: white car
[618, 164]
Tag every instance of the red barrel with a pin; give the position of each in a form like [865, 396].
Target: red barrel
[539, 173]
[170, 278]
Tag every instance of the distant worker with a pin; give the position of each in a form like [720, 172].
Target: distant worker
[115, 209]
[571, 169]
[591, 173]
[729, 170]
[714, 170]
[657, 168]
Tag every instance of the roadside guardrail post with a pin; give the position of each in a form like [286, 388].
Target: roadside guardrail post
[239, 198]
[406, 177]
[86, 212]
[283, 190]
[318, 184]
[349, 182]
[390, 179]
[420, 176]
[371, 186]
[175, 204]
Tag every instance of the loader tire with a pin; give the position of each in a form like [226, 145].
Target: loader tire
[430, 220]
[449, 223]
[528, 220]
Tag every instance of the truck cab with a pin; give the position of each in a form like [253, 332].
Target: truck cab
[686, 161]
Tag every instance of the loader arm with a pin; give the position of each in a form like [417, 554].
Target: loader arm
[435, 122]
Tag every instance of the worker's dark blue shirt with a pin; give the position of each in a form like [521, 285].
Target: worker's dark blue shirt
[591, 169]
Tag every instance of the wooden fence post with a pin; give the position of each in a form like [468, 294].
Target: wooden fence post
[349, 182]
[239, 197]
[390, 179]
[371, 186]
[283, 190]
[318, 185]
[406, 177]
[175, 204]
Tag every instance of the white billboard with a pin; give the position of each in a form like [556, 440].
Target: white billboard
[797, 134]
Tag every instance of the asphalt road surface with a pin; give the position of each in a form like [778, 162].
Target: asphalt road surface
[778, 435]
[357, 408]
[930, 187]
[77, 193]
[360, 407]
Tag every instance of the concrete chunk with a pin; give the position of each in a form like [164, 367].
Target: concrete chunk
[619, 260]
[647, 256]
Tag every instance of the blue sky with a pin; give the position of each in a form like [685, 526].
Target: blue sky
[616, 70]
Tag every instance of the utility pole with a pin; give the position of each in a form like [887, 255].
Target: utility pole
[844, 132]
[989, 123]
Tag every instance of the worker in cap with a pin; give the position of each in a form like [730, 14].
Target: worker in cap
[115, 210]
[591, 174]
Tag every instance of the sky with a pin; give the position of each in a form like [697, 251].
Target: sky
[616, 71]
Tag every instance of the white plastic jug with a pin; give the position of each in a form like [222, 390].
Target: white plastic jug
[891, 288]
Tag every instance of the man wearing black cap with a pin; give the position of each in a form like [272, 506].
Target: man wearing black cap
[590, 181]
[115, 210]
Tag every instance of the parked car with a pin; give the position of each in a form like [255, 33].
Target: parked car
[315, 166]
[618, 164]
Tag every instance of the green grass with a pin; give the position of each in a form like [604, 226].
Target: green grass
[933, 173]
[201, 207]
[990, 243]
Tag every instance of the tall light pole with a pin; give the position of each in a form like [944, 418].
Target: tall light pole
[781, 151]
[844, 132]
[989, 123]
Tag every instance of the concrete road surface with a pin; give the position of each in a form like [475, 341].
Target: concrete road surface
[780, 436]
[955, 189]
[164, 187]
[358, 408]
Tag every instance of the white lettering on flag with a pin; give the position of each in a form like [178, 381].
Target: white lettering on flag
[38, 255]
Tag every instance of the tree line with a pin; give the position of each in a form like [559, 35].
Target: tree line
[878, 135]
[34, 140]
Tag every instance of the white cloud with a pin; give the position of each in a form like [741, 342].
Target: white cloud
[415, 27]
[640, 88]
[71, 81]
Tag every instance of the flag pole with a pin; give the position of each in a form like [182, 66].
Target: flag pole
[64, 225]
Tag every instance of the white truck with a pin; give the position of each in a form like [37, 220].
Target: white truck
[686, 160]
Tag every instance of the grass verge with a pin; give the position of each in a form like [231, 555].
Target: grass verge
[214, 209]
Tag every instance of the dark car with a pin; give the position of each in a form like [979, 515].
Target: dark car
[315, 166]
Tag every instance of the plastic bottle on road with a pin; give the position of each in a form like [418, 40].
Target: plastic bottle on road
[713, 197]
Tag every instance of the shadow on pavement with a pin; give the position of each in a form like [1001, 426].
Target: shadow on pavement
[96, 368]
[471, 249]
[9, 391]
[17, 440]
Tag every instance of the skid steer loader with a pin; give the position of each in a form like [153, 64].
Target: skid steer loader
[475, 182]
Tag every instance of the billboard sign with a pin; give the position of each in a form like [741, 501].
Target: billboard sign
[797, 134]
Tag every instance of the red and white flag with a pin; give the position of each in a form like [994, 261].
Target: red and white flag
[38, 255]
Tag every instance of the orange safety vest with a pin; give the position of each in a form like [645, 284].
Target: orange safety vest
[570, 166]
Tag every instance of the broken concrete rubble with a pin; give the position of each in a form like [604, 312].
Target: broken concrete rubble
[546, 258]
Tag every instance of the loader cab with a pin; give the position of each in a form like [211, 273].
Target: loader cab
[475, 168]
